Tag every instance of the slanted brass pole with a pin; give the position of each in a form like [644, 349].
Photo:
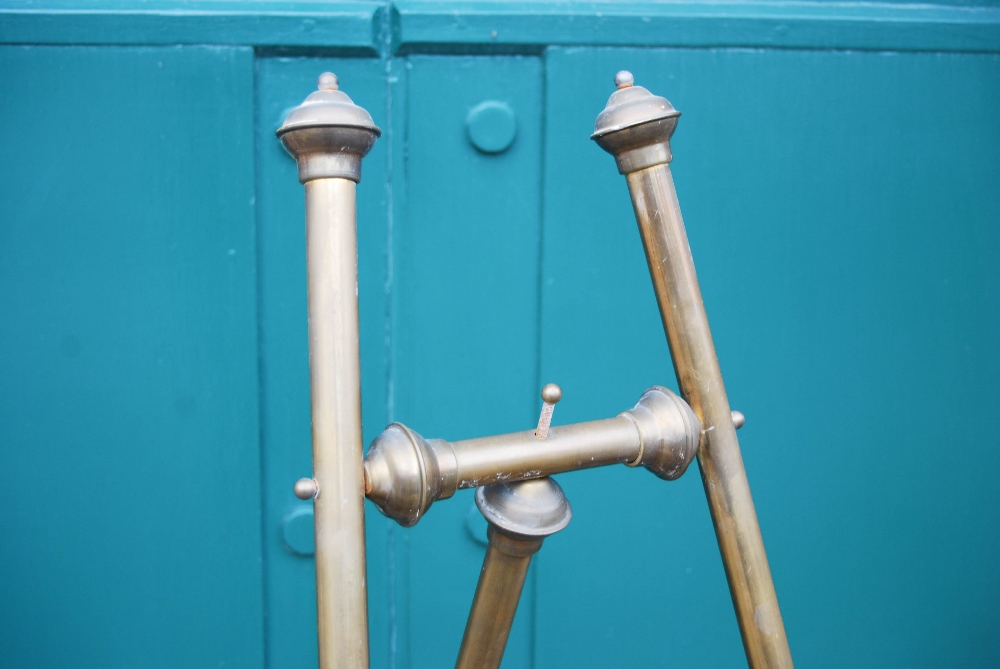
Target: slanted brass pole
[636, 128]
[700, 380]
[520, 515]
[497, 595]
[329, 135]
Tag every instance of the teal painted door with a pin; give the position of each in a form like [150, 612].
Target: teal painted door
[842, 207]
[129, 457]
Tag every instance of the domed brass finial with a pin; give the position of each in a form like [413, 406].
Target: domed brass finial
[624, 79]
[328, 134]
[328, 82]
[636, 126]
[551, 394]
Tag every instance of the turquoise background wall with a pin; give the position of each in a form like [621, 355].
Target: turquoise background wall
[839, 170]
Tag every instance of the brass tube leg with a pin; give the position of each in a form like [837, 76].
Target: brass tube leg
[335, 370]
[697, 367]
[497, 594]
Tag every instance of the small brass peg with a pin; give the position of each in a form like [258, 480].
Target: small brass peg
[551, 394]
[306, 488]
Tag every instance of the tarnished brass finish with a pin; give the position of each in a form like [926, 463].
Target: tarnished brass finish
[328, 135]
[520, 516]
[641, 147]
[405, 473]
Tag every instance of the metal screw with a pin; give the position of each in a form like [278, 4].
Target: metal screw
[306, 488]
[551, 394]
[624, 79]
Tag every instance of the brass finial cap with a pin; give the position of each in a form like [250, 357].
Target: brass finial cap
[635, 126]
[535, 508]
[328, 134]
[327, 107]
[402, 477]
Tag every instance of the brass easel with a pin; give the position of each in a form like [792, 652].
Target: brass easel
[403, 473]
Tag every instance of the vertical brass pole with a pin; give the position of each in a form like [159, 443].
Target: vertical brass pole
[636, 127]
[495, 603]
[335, 374]
[328, 135]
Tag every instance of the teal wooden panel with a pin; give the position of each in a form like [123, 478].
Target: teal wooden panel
[848, 256]
[129, 462]
[347, 25]
[366, 27]
[465, 306]
[842, 211]
[952, 25]
[284, 348]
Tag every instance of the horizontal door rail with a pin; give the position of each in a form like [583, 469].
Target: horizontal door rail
[360, 27]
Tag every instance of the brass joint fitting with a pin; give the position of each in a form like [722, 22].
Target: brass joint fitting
[406, 473]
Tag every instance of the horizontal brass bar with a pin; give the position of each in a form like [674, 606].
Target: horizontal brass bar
[522, 455]
[405, 473]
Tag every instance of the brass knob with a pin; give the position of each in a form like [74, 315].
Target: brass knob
[551, 394]
[624, 79]
[306, 488]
